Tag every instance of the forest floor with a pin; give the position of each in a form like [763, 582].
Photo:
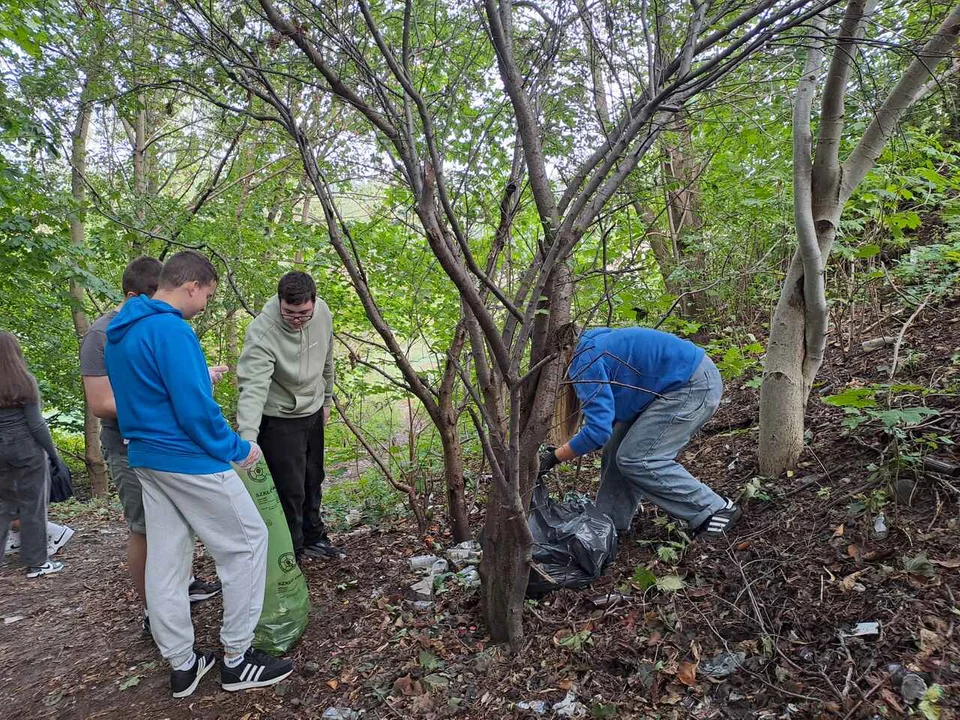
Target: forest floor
[782, 596]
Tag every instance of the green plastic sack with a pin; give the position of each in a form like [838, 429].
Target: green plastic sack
[286, 605]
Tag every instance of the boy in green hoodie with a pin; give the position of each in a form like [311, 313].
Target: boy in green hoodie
[285, 377]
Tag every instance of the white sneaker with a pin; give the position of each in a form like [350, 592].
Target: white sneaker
[13, 542]
[57, 537]
[48, 568]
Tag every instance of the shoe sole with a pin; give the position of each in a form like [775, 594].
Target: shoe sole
[196, 681]
[205, 596]
[234, 687]
[33, 575]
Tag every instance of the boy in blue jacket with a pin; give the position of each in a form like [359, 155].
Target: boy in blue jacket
[643, 394]
[181, 448]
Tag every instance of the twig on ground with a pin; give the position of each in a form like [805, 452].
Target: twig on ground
[903, 331]
[867, 695]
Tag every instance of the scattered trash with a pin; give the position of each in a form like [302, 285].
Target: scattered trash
[423, 605]
[423, 589]
[570, 707]
[339, 713]
[722, 665]
[422, 562]
[10, 620]
[877, 343]
[439, 567]
[913, 688]
[880, 529]
[608, 599]
[469, 577]
[864, 629]
[464, 554]
[537, 707]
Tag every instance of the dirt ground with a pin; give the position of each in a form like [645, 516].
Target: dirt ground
[803, 568]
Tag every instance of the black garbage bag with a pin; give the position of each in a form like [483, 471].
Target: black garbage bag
[61, 482]
[573, 542]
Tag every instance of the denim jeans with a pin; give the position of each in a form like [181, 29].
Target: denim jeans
[640, 459]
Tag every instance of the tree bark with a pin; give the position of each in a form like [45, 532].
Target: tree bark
[93, 456]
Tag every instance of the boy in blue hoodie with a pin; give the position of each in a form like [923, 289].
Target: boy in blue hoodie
[643, 394]
[181, 448]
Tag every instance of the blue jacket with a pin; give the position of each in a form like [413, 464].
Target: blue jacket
[616, 373]
[165, 404]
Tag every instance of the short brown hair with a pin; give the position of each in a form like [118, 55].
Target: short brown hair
[296, 288]
[142, 276]
[185, 267]
[17, 386]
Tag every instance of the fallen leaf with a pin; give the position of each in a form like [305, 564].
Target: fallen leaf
[687, 673]
[334, 684]
[853, 550]
[130, 682]
[929, 641]
[403, 685]
[891, 700]
[839, 531]
[850, 581]
[951, 563]
[745, 545]
[565, 684]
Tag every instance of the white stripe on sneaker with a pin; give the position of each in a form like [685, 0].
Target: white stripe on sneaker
[260, 670]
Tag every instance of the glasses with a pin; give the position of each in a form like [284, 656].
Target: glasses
[296, 314]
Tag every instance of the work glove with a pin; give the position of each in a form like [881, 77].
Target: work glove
[548, 460]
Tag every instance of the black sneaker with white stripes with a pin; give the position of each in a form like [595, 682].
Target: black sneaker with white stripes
[720, 523]
[201, 590]
[257, 669]
[184, 682]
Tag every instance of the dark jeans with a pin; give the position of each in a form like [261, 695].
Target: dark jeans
[293, 449]
[24, 489]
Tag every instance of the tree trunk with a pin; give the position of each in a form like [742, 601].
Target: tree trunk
[798, 333]
[505, 568]
[93, 456]
[457, 511]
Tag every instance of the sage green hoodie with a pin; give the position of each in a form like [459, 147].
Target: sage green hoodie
[284, 372]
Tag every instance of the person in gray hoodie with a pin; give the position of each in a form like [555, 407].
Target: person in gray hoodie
[285, 377]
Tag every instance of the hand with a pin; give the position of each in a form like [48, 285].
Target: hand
[326, 414]
[217, 372]
[548, 460]
[253, 457]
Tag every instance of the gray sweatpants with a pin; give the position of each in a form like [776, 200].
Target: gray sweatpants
[221, 512]
[24, 491]
[640, 458]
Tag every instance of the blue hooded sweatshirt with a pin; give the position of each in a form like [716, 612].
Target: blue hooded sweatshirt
[164, 397]
[616, 373]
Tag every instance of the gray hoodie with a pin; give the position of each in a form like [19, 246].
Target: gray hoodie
[284, 372]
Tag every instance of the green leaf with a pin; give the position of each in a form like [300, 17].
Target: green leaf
[929, 703]
[670, 583]
[644, 578]
[865, 252]
[577, 641]
[603, 710]
[130, 682]
[428, 661]
[853, 398]
[918, 565]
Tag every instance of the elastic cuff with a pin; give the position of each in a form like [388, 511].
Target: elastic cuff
[178, 660]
